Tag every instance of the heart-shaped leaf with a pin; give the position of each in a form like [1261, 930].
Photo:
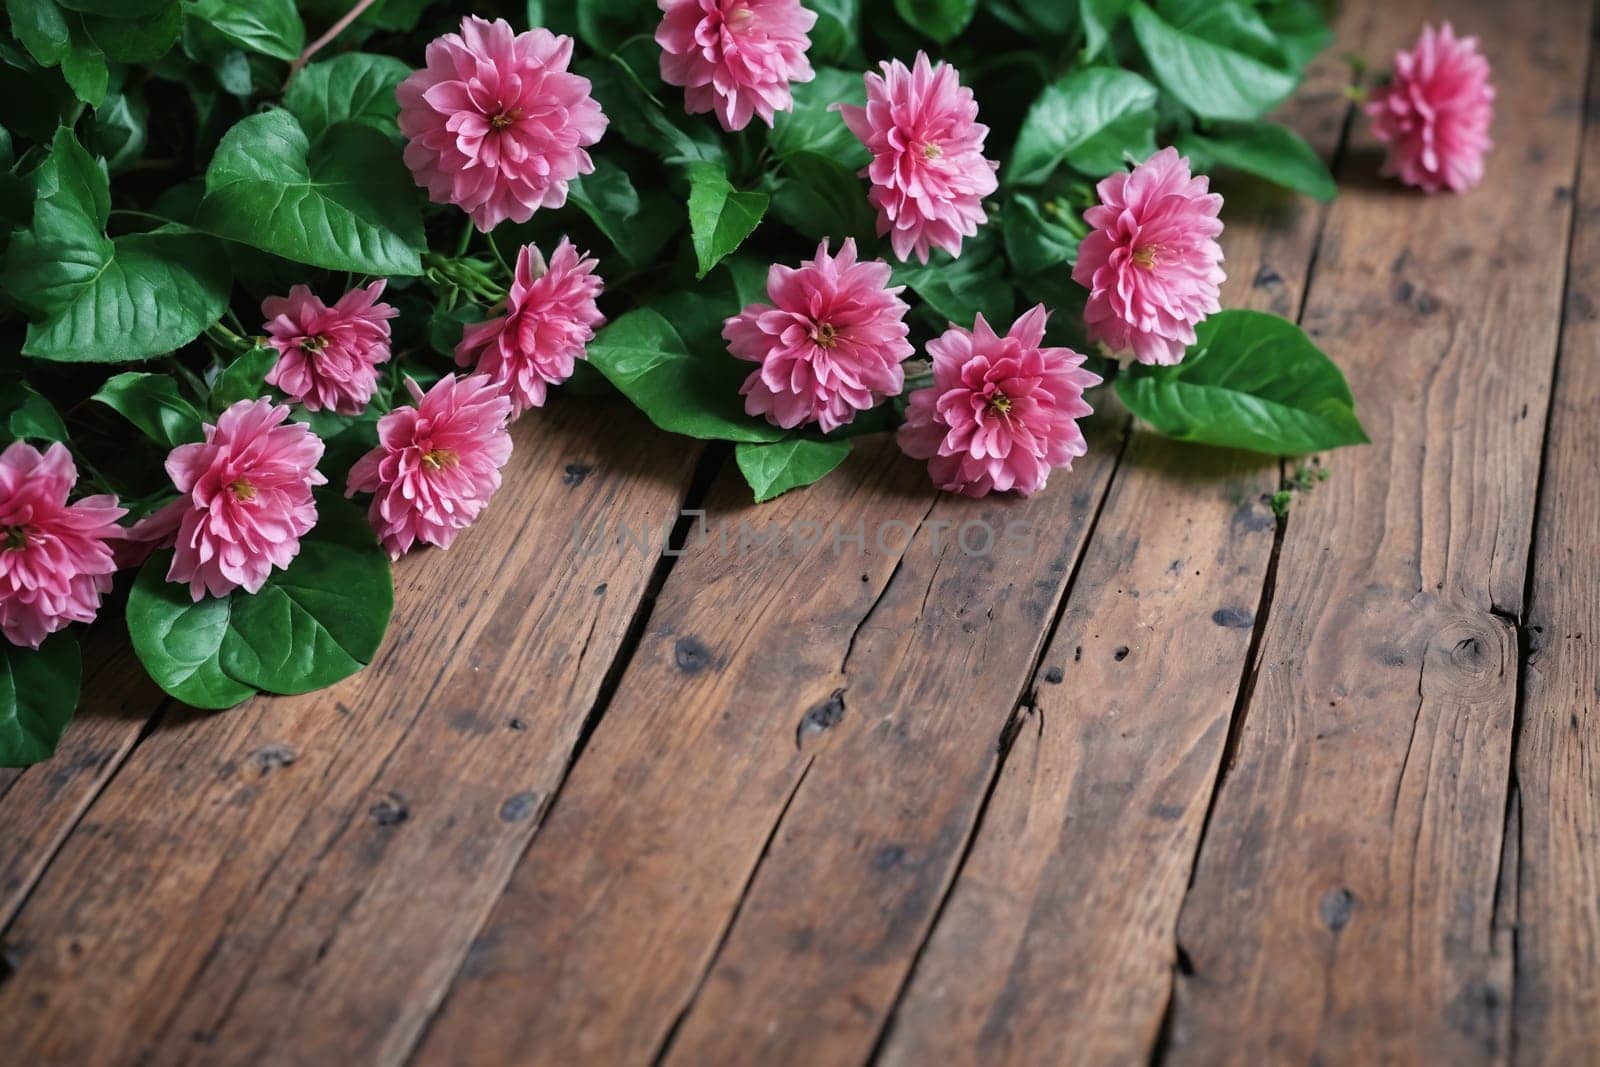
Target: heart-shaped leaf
[320, 620]
[774, 469]
[720, 216]
[346, 204]
[38, 694]
[1252, 381]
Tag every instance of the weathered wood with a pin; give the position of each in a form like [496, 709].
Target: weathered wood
[298, 878]
[1056, 944]
[1343, 905]
[895, 677]
[1557, 888]
[40, 805]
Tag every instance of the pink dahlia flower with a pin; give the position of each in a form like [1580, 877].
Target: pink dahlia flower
[436, 464]
[1151, 264]
[830, 344]
[246, 500]
[1435, 112]
[495, 124]
[55, 557]
[328, 357]
[928, 172]
[736, 58]
[1001, 411]
[550, 318]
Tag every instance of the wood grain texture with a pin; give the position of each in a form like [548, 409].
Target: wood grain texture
[40, 805]
[1343, 907]
[297, 879]
[827, 745]
[1057, 943]
[1557, 888]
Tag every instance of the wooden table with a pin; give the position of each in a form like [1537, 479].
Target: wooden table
[1184, 782]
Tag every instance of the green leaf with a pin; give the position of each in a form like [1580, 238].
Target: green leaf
[346, 203]
[26, 415]
[1301, 30]
[720, 216]
[958, 290]
[692, 394]
[153, 404]
[84, 67]
[605, 24]
[774, 469]
[243, 379]
[1091, 118]
[355, 87]
[42, 29]
[179, 641]
[607, 196]
[813, 126]
[942, 20]
[119, 130]
[38, 694]
[1252, 381]
[142, 39]
[837, 29]
[1036, 240]
[820, 197]
[266, 27]
[156, 293]
[1215, 80]
[99, 300]
[1264, 149]
[117, 9]
[320, 620]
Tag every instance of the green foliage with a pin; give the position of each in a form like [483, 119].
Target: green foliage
[38, 693]
[720, 216]
[1251, 381]
[1093, 119]
[319, 620]
[153, 404]
[774, 469]
[1264, 149]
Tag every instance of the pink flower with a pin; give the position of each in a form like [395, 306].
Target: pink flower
[1435, 113]
[246, 500]
[328, 357]
[436, 464]
[55, 559]
[1001, 411]
[1152, 264]
[495, 124]
[736, 58]
[929, 176]
[830, 348]
[550, 318]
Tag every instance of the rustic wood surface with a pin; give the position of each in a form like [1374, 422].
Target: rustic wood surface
[1181, 782]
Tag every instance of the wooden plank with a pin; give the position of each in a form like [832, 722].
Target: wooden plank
[828, 686]
[1057, 942]
[1557, 888]
[300, 876]
[40, 805]
[1343, 906]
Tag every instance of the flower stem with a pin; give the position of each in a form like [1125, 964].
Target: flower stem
[333, 31]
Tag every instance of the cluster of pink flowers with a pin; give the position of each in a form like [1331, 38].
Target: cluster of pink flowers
[328, 358]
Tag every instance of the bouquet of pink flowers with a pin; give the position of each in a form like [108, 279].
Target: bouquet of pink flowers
[271, 305]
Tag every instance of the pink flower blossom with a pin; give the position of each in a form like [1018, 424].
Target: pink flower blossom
[55, 557]
[1435, 113]
[550, 318]
[436, 464]
[495, 124]
[928, 172]
[832, 345]
[246, 500]
[735, 58]
[328, 357]
[1001, 411]
[1151, 264]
